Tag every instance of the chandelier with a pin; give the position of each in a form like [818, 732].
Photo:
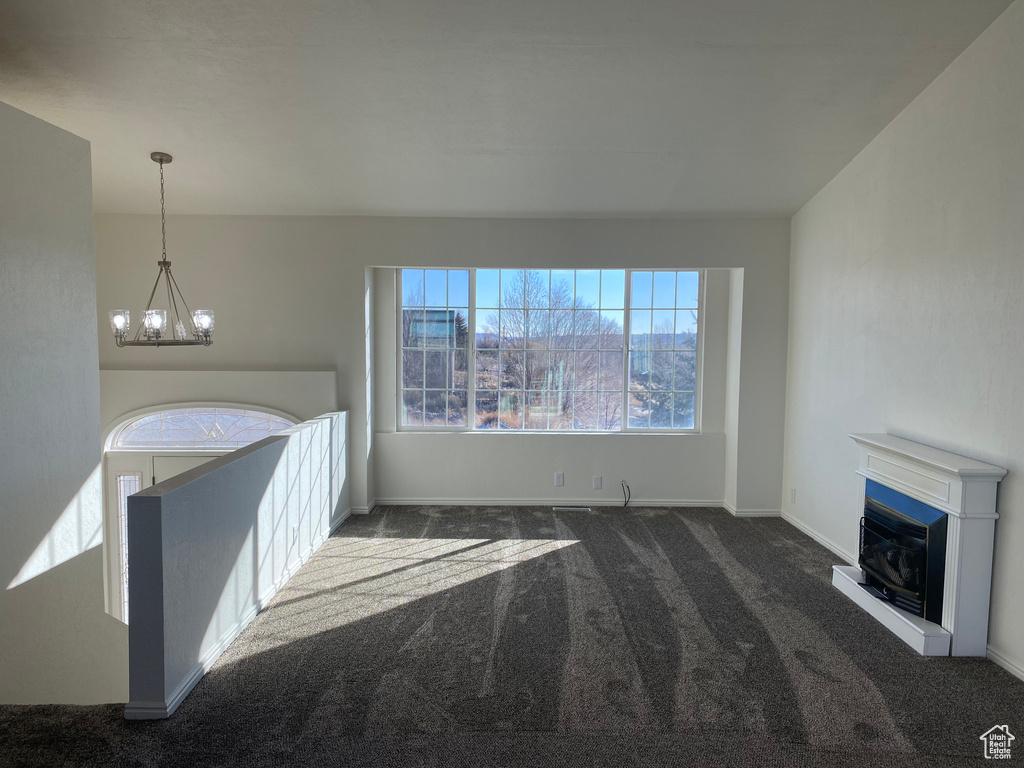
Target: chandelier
[154, 330]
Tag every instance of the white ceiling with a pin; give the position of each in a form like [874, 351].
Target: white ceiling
[475, 107]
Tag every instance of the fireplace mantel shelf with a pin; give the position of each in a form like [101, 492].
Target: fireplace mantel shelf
[939, 460]
[963, 488]
[933, 476]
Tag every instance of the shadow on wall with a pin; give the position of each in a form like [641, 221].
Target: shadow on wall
[209, 547]
[78, 529]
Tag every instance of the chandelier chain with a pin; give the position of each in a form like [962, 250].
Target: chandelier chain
[163, 216]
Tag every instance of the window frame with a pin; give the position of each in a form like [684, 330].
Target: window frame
[125, 421]
[624, 428]
[698, 350]
[470, 357]
[116, 571]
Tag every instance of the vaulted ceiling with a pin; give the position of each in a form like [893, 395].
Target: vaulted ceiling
[476, 107]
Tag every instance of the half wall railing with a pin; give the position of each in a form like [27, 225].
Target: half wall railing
[209, 548]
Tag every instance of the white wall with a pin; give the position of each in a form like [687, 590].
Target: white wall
[211, 546]
[56, 642]
[906, 314]
[290, 293]
[482, 468]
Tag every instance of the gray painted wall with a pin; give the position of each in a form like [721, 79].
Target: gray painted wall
[56, 642]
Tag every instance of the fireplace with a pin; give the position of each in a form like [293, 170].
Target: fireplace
[927, 527]
[903, 551]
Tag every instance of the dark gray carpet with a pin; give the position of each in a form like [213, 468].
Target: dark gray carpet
[512, 636]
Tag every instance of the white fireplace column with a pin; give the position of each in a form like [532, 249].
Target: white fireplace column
[963, 488]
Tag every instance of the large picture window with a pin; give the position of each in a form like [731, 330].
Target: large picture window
[549, 350]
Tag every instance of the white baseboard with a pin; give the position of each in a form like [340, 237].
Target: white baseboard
[849, 557]
[153, 710]
[145, 710]
[268, 594]
[492, 502]
[732, 510]
[1015, 668]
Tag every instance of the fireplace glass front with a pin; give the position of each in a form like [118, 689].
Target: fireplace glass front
[903, 551]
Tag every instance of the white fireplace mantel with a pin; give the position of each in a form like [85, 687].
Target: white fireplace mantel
[963, 488]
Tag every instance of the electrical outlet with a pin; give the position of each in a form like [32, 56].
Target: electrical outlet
[559, 479]
[597, 482]
[792, 495]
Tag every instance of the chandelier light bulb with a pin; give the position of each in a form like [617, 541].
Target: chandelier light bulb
[119, 321]
[155, 321]
[203, 320]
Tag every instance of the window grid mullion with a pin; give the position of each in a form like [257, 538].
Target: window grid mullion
[471, 355]
[572, 349]
[699, 350]
[627, 333]
[400, 344]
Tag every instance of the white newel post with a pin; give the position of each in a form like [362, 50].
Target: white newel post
[963, 488]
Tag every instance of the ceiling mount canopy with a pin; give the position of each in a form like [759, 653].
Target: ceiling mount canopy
[153, 331]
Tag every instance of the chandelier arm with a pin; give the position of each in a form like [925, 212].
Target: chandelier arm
[149, 304]
[188, 312]
[170, 303]
[174, 304]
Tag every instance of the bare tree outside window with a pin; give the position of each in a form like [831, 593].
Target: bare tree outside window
[549, 354]
[547, 349]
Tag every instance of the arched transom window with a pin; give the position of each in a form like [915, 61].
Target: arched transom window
[200, 427]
